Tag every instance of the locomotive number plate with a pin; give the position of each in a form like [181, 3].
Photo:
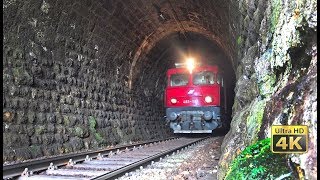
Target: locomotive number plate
[187, 101]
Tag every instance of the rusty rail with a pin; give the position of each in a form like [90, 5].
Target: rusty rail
[15, 170]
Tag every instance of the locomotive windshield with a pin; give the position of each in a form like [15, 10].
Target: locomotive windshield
[179, 79]
[203, 78]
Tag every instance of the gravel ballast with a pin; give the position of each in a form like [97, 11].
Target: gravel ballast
[196, 162]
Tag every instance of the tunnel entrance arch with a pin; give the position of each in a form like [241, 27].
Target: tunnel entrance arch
[168, 29]
[151, 68]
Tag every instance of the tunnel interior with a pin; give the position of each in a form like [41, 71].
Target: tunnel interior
[175, 48]
[80, 75]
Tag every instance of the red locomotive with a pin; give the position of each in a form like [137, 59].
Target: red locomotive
[194, 98]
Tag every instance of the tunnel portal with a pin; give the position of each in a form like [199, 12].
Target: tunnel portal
[84, 74]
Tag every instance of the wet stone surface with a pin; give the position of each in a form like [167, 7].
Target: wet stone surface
[196, 162]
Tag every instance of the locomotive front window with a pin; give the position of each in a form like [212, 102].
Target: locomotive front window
[203, 78]
[178, 79]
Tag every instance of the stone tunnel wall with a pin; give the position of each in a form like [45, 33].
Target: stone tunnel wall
[66, 69]
[276, 77]
[65, 81]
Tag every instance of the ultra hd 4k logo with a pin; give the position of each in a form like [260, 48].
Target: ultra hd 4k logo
[289, 139]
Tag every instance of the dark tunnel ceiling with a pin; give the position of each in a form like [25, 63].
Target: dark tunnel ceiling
[177, 46]
[162, 29]
[158, 20]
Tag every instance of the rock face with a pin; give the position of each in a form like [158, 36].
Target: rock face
[276, 78]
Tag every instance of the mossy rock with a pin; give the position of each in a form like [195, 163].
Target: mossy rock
[275, 14]
[98, 137]
[254, 120]
[258, 162]
[66, 120]
[41, 129]
[79, 132]
[266, 86]
[35, 151]
[92, 126]
[21, 76]
[92, 123]
[239, 40]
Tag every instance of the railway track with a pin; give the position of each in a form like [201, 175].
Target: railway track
[103, 164]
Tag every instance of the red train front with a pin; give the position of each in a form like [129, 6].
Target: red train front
[193, 99]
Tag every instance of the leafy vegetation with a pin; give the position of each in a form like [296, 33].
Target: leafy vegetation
[258, 162]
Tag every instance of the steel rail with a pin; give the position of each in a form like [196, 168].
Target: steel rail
[121, 171]
[15, 170]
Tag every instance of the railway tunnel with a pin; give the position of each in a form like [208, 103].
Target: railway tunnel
[81, 75]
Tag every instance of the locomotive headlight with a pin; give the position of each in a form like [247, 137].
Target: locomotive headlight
[208, 99]
[190, 64]
[173, 100]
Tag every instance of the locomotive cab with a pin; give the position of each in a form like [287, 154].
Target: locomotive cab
[193, 99]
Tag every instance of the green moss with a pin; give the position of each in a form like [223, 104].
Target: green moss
[92, 127]
[258, 162]
[40, 130]
[239, 40]
[266, 85]
[254, 120]
[17, 71]
[98, 137]
[67, 148]
[266, 77]
[275, 13]
[34, 149]
[92, 123]
[79, 132]
[66, 120]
